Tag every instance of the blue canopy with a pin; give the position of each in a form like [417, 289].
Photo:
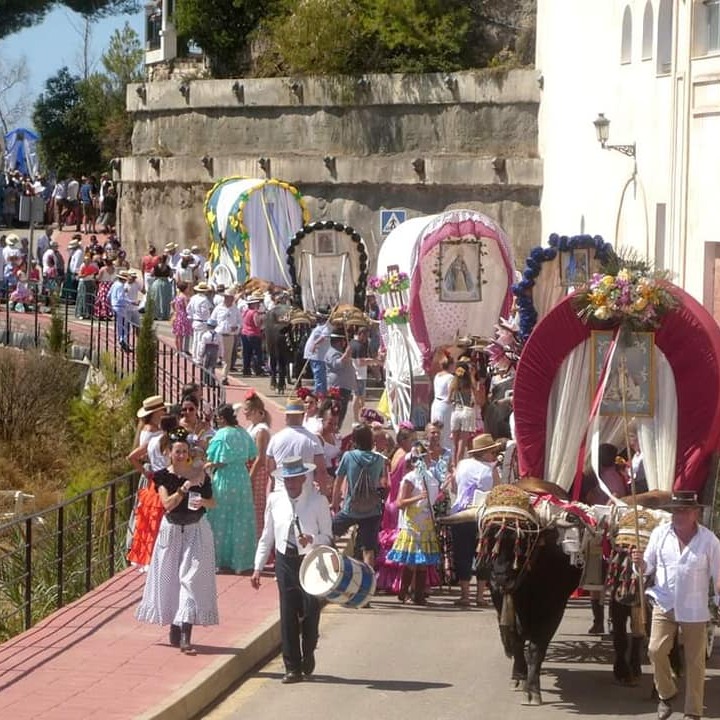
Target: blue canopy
[21, 151]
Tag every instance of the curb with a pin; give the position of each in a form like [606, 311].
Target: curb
[211, 683]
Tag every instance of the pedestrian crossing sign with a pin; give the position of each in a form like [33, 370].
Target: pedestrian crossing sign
[390, 219]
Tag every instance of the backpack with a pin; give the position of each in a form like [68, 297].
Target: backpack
[364, 498]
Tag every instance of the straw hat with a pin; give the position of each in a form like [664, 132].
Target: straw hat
[73, 244]
[256, 297]
[170, 247]
[482, 443]
[294, 406]
[12, 239]
[202, 287]
[683, 499]
[293, 467]
[186, 253]
[151, 405]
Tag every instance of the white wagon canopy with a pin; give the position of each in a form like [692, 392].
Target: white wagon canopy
[252, 222]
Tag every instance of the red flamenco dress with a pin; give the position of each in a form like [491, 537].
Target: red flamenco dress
[148, 515]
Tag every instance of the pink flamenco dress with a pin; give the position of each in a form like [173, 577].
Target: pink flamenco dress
[388, 573]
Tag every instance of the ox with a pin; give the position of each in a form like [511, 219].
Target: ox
[531, 580]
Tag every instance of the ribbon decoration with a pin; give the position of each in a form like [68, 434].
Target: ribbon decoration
[594, 412]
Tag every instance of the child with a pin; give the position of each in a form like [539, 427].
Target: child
[210, 348]
[416, 547]
[22, 296]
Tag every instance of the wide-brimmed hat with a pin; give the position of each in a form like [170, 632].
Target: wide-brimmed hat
[195, 249]
[186, 253]
[202, 287]
[683, 499]
[292, 467]
[12, 239]
[482, 443]
[255, 297]
[228, 291]
[170, 247]
[151, 405]
[294, 406]
[73, 244]
[124, 275]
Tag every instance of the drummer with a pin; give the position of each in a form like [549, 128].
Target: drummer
[294, 524]
[477, 472]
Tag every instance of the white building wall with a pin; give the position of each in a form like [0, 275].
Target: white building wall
[674, 117]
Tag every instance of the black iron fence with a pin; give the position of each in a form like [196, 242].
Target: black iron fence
[52, 557]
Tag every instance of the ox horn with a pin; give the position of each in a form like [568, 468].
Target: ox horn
[464, 516]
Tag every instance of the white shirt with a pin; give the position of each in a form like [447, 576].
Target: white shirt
[228, 319]
[313, 514]
[682, 578]
[49, 253]
[320, 335]
[10, 253]
[198, 309]
[294, 441]
[471, 475]
[210, 337]
[132, 291]
[76, 260]
[59, 190]
[73, 189]
[157, 459]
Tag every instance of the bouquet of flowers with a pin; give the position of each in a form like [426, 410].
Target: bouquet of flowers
[632, 297]
[392, 282]
[396, 315]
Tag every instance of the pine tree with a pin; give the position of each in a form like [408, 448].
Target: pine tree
[145, 359]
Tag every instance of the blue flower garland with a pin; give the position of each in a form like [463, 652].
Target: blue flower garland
[522, 290]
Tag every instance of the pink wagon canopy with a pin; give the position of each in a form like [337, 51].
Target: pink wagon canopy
[462, 271]
[689, 338]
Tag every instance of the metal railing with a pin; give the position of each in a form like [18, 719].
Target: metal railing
[52, 557]
[174, 369]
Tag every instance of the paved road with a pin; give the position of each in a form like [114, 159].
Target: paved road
[439, 663]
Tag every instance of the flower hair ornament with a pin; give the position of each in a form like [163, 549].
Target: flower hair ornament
[303, 393]
[250, 394]
[406, 425]
[179, 434]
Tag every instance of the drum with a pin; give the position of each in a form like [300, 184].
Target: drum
[327, 574]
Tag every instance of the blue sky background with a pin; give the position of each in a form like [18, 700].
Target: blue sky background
[57, 42]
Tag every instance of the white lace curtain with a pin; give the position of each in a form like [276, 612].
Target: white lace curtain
[567, 420]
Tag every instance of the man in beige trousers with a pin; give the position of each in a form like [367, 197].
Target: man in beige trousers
[684, 557]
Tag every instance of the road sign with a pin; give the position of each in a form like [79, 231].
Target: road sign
[390, 219]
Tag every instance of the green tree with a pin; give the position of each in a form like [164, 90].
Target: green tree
[222, 29]
[338, 40]
[67, 142]
[417, 35]
[145, 358]
[18, 14]
[103, 94]
[58, 338]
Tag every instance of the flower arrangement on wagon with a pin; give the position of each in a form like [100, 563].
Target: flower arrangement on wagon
[633, 297]
[392, 282]
[396, 315]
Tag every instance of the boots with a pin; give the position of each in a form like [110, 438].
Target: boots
[175, 636]
[420, 582]
[598, 610]
[185, 637]
[405, 580]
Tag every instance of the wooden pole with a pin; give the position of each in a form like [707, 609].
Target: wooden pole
[641, 579]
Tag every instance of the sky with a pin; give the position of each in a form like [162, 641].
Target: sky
[58, 41]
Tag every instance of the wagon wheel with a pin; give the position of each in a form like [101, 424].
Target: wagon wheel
[399, 376]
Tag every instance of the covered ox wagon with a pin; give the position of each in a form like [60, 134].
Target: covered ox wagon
[251, 222]
[439, 277]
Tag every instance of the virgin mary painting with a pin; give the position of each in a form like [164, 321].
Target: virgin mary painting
[459, 276]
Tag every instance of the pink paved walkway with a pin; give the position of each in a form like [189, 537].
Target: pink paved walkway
[92, 659]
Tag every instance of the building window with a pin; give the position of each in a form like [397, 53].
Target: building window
[647, 37]
[664, 43]
[712, 15]
[626, 41]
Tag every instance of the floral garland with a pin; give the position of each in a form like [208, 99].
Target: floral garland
[504, 351]
[527, 314]
[396, 315]
[635, 298]
[392, 282]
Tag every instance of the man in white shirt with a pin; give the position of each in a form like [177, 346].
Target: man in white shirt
[296, 441]
[685, 558]
[295, 522]
[199, 310]
[72, 203]
[316, 347]
[227, 315]
[132, 293]
[43, 242]
[118, 302]
[58, 198]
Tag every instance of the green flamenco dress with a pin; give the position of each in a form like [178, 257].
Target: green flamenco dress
[233, 520]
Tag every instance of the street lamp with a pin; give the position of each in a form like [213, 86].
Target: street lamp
[602, 129]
